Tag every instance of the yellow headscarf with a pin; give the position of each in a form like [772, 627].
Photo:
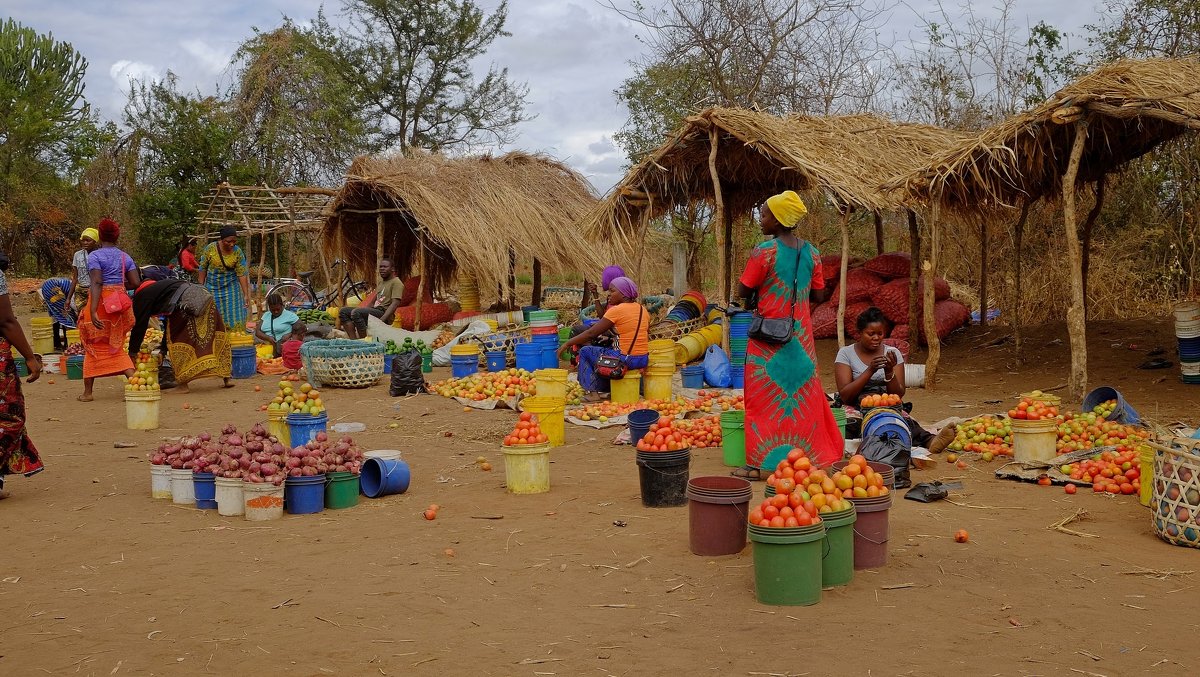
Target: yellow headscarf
[91, 234]
[787, 207]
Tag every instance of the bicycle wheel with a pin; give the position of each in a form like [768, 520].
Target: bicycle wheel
[295, 296]
[358, 289]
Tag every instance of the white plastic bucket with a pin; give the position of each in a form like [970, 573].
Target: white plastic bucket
[914, 375]
[183, 491]
[231, 500]
[1187, 311]
[262, 502]
[383, 454]
[141, 410]
[160, 481]
[1188, 329]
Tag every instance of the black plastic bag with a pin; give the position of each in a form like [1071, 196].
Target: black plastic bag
[889, 449]
[406, 374]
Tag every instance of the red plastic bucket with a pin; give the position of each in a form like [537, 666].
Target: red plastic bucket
[717, 511]
[871, 531]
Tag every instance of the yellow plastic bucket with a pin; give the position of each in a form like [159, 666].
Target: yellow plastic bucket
[550, 412]
[73, 337]
[689, 348]
[141, 410]
[492, 324]
[36, 322]
[658, 386]
[1146, 479]
[551, 383]
[627, 390]
[527, 468]
[1034, 440]
[465, 349]
[277, 426]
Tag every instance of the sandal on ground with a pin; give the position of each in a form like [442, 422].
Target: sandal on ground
[748, 472]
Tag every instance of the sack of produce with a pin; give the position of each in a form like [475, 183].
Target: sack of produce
[824, 320]
[892, 298]
[831, 267]
[859, 285]
[891, 266]
[407, 378]
[853, 310]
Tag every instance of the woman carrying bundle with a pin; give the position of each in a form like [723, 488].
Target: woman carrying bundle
[632, 324]
[785, 404]
[105, 321]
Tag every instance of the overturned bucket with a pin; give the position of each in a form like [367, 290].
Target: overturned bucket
[382, 477]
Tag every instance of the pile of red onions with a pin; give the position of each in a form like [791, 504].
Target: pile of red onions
[258, 457]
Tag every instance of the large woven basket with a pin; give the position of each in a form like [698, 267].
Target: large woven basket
[503, 339]
[1175, 501]
[670, 329]
[343, 363]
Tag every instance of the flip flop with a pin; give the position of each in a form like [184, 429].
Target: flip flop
[748, 472]
[1156, 363]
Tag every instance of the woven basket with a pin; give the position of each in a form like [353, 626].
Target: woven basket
[669, 329]
[503, 339]
[1176, 499]
[343, 363]
[559, 298]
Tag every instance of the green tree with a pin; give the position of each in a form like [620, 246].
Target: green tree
[298, 121]
[41, 100]
[412, 63]
[1145, 28]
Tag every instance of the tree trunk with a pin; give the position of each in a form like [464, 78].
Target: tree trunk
[841, 316]
[695, 269]
[721, 228]
[914, 273]
[536, 299]
[878, 233]
[378, 239]
[1018, 235]
[929, 268]
[1087, 240]
[420, 284]
[983, 274]
[679, 267]
[1076, 324]
[512, 279]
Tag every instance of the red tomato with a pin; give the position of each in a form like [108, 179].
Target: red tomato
[1070, 489]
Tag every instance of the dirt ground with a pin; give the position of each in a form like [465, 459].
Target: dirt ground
[96, 578]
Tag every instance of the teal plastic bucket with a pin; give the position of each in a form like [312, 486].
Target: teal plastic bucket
[303, 428]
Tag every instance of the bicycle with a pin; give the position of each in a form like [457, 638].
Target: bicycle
[298, 292]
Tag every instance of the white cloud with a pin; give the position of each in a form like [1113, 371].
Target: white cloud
[213, 60]
[123, 71]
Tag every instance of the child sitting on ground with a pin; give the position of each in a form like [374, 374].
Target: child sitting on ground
[290, 349]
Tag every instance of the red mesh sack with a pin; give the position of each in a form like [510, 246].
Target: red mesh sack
[898, 344]
[853, 310]
[824, 320]
[432, 314]
[831, 267]
[899, 333]
[892, 297]
[950, 315]
[890, 266]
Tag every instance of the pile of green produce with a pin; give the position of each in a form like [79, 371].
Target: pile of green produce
[390, 348]
[311, 316]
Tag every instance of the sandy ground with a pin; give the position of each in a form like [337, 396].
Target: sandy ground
[99, 579]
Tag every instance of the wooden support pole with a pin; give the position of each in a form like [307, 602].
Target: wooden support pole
[1018, 235]
[914, 272]
[929, 270]
[536, 299]
[262, 259]
[421, 266]
[878, 233]
[277, 272]
[844, 226]
[1088, 225]
[512, 279]
[1076, 324]
[727, 292]
[719, 215]
[983, 273]
[378, 239]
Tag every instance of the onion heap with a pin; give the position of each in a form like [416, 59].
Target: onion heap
[258, 457]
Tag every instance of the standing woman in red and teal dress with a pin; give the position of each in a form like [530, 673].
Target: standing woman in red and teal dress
[785, 404]
[18, 455]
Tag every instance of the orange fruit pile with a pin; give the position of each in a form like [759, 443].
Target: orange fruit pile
[884, 400]
[663, 436]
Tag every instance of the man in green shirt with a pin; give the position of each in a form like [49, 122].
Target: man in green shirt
[387, 300]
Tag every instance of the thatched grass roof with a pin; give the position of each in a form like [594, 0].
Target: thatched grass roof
[1132, 106]
[846, 157]
[471, 212]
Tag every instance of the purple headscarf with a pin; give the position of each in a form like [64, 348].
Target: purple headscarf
[626, 286]
[610, 273]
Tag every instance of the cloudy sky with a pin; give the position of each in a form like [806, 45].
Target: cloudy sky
[572, 53]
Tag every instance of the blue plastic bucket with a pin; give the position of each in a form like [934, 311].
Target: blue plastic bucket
[739, 325]
[497, 360]
[1122, 414]
[387, 364]
[304, 495]
[205, 486]
[463, 365]
[529, 356]
[640, 421]
[382, 477]
[884, 421]
[550, 356]
[303, 428]
[245, 362]
[737, 377]
[693, 377]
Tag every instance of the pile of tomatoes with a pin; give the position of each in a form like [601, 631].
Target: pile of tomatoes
[1032, 409]
[1090, 430]
[702, 432]
[1109, 472]
[527, 431]
[706, 400]
[663, 436]
[809, 492]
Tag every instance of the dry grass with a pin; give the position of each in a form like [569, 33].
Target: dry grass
[471, 212]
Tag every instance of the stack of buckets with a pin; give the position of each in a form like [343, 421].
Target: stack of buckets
[739, 328]
[464, 359]
[1036, 440]
[42, 334]
[1187, 331]
[550, 403]
[468, 294]
[544, 326]
[691, 347]
[793, 564]
[660, 370]
[245, 357]
[690, 306]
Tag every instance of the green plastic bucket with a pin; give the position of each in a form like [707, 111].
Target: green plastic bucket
[426, 362]
[768, 490]
[733, 438]
[837, 555]
[341, 490]
[22, 367]
[839, 415]
[787, 564]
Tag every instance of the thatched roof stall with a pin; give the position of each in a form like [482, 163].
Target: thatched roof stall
[1087, 130]
[263, 211]
[735, 158]
[439, 216]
